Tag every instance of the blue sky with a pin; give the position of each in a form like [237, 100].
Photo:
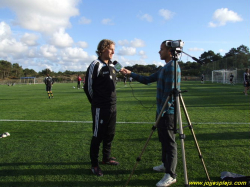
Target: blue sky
[64, 34]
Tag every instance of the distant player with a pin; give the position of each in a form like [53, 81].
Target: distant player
[124, 80]
[231, 79]
[202, 79]
[246, 80]
[79, 81]
[49, 82]
[130, 79]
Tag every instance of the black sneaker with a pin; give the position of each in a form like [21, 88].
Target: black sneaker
[97, 171]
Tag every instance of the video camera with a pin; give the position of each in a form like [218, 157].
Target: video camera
[175, 43]
[176, 46]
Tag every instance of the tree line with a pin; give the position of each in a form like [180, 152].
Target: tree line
[235, 58]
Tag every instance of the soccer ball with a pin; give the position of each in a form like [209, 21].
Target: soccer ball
[74, 87]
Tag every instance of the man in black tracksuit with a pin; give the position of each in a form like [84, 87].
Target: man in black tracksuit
[100, 89]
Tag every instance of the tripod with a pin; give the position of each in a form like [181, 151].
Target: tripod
[177, 116]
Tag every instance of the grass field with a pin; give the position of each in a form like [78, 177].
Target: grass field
[50, 138]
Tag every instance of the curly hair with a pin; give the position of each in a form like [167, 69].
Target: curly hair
[103, 44]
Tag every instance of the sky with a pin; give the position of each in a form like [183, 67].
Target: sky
[63, 34]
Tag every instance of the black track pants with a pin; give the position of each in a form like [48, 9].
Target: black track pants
[104, 121]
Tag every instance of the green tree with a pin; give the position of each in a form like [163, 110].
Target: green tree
[5, 68]
[210, 56]
[29, 73]
[17, 70]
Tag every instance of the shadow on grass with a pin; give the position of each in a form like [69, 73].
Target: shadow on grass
[83, 177]
[220, 136]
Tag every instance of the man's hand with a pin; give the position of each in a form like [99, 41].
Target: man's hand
[125, 71]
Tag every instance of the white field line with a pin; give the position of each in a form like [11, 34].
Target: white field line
[119, 122]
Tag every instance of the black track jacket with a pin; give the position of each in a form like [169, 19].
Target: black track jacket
[100, 84]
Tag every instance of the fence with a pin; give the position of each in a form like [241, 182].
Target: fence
[237, 63]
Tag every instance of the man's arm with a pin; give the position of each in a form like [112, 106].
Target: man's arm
[140, 78]
[89, 79]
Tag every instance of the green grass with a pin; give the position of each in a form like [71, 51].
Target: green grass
[50, 147]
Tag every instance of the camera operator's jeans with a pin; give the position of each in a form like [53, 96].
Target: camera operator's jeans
[169, 147]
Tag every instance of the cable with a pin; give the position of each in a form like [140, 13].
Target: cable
[139, 100]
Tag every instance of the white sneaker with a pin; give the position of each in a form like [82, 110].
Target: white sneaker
[7, 134]
[3, 135]
[167, 180]
[159, 168]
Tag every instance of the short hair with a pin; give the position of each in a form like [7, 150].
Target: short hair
[103, 44]
[167, 43]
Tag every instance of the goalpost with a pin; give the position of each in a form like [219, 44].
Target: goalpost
[28, 80]
[223, 76]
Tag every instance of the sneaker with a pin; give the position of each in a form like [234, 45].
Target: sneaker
[159, 168]
[97, 171]
[167, 180]
[3, 136]
[7, 134]
[110, 161]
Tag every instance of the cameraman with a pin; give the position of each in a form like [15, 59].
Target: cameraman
[165, 83]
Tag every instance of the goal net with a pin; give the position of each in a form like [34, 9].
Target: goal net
[223, 76]
[28, 80]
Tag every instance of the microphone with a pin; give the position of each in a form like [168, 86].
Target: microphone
[117, 66]
[197, 60]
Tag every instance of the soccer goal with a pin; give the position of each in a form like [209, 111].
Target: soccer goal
[223, 76]
[28, 80]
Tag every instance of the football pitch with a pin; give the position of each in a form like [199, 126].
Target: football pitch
[49, 138]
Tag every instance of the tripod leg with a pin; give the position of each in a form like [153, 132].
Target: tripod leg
[182, 136]
[192, 131]
[146, 144]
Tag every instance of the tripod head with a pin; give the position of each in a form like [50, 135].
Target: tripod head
[177, 46]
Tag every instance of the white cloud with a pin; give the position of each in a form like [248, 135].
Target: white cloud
[222, 51]
[146, 17]
[82, 44]
[12, 48]
[133, 43]
[9, 47]
[43, 16]
[107, 21]
[166, 14]
[195, 49]
[5, 31]
[74, 54]
[143, 54]
[127, 51]
[137, 43]
[84, 20]
[160, 63]
[32, 53]
[129, 62]
[123, 42]
[29, 39]
[61, 39]
[223, 16]
[49, 52]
